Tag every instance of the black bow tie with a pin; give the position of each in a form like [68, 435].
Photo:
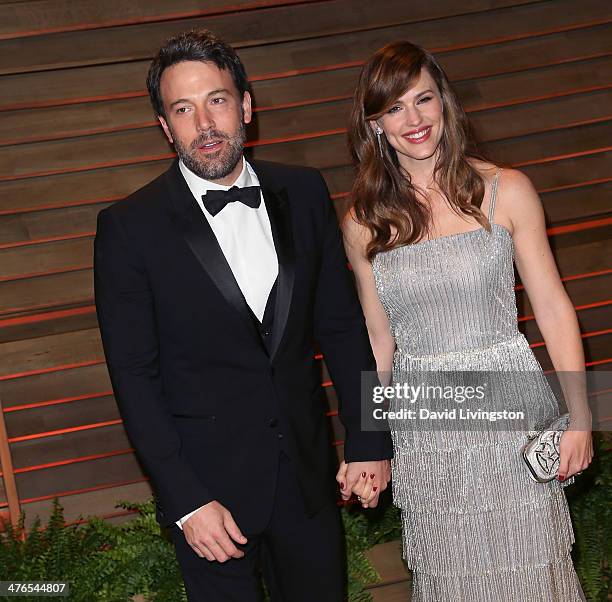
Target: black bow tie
[215, 200]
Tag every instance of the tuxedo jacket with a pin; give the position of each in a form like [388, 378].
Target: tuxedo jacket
[209, 398]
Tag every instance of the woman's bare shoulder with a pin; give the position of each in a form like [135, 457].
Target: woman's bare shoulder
[351, 226]
[486, 170]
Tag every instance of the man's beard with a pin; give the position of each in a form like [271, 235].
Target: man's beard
[216, 165]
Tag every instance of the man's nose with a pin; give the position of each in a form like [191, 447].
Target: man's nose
[204, 120]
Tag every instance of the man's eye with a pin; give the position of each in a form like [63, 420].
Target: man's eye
[182, 110]
[218, 101]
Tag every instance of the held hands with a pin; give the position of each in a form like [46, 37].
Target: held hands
[210, 532]
[576, 453]
[365, 479]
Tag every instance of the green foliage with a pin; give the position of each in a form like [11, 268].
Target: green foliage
[102, 562]
[590, 501]
[363, 530]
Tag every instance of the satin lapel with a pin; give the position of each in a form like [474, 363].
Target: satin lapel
[204, 245]
[280, 222]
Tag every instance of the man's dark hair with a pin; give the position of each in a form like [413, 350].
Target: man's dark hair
[195, 45]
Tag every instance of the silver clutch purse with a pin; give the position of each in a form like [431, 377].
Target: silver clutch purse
[541, 452]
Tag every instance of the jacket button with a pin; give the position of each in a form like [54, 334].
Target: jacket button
[280, 435]
[273, 423]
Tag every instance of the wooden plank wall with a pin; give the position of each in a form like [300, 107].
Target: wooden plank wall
[77, 133]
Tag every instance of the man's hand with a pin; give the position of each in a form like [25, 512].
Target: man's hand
[210, 532]
[365, 479]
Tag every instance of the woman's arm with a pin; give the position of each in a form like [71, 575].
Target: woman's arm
[355, 239]
[553, 311]
[377, 323]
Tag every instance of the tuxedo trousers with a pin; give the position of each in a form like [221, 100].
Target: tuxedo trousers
[302, 558]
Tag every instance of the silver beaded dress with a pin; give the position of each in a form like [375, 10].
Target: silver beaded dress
[476, 528]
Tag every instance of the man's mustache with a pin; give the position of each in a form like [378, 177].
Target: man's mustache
[208, 137]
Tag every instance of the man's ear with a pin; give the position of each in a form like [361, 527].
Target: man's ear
[247, 109]
[166, 129]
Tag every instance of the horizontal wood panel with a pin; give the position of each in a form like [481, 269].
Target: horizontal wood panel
[70, 120]
[581, 292]
[77, 444]
[568, 173]
[336, 431]
[54, 385]
[94, 503]
[436, 34]
[552, 113]
[517, 151]
[48, 224]
[575, 238]
[43, 258]
[595, 348]
[70, 320]
[248, 28]
[80, 188]
[584, 258]
[590, 320]
[60, 416]
[35, 16]
[56, 290]
[51, 351]
[575, 204]
[81, 475]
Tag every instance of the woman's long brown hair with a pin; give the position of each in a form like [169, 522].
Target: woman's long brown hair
[383, 197]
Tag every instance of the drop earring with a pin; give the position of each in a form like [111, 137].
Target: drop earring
[378, 133]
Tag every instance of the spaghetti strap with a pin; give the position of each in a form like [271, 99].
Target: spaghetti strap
[493, 195]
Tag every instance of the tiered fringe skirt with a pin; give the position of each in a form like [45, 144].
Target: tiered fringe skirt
[476, 527]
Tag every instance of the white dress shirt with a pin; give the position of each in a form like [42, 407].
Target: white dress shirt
[245, 237]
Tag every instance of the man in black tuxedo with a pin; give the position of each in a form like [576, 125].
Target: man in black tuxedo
[212, 283]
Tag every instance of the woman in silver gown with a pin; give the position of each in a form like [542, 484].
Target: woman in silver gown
[432, 236]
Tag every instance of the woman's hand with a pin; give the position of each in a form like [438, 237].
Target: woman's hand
[371, 481]
[341, 479]
[576, 453]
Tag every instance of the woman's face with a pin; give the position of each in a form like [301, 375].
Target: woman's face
[413, 125]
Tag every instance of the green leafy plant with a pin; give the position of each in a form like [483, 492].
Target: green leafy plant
[363, 531]
[590, 501]
[102, 562]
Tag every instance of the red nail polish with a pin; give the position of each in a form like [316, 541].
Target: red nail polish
[363, 474]
[374, 488]
[561, 478]
[372, 475]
